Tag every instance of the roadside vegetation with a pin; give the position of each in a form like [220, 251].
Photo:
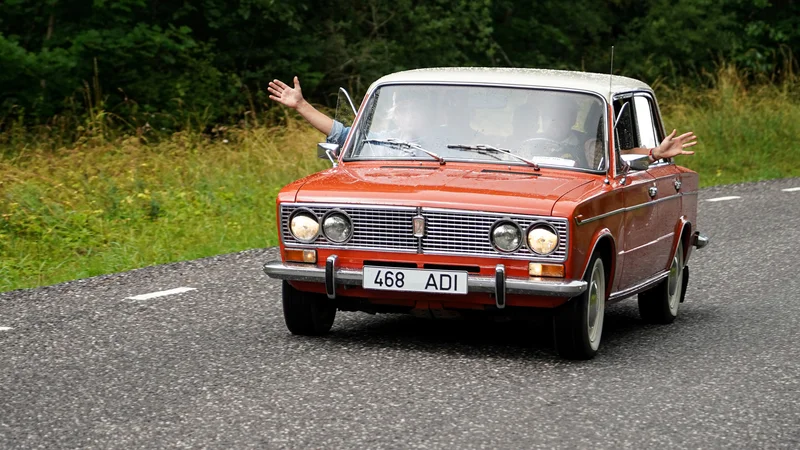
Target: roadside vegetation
[113, 200]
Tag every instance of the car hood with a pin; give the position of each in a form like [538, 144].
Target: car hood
[470, 187]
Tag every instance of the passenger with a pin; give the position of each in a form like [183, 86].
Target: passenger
[292, 97]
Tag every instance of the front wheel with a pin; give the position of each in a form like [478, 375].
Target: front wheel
[578, 324]
[307, 313]
[660, 303]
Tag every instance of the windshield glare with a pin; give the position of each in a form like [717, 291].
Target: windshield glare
[549, 127]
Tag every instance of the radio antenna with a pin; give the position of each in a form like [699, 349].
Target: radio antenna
[611, 73]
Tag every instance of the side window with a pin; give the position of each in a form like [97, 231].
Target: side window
[625, 136]
[644, 122]
[625, 132]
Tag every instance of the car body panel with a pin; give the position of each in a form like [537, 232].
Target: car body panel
[482, 187]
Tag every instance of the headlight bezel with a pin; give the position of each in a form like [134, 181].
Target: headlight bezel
[549, 227]
[306, 212]
[499, 223]
[340, 213]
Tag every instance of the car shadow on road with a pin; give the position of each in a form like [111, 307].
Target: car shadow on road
[472, 336]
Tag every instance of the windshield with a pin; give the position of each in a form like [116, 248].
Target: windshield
[474, 123]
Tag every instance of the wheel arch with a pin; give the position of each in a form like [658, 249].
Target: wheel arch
[683, 234]
[605, 245]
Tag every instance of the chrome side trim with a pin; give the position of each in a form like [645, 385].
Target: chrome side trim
[579, 221]
[475, 283]
[666, 236]
[635, 289]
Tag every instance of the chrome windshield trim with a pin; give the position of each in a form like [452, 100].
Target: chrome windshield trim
[350, 143]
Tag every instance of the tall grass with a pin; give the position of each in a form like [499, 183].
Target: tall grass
[95, 209]
[747, 132]
[109, 202]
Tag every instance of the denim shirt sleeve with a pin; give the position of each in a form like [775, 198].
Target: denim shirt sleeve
[338, 133]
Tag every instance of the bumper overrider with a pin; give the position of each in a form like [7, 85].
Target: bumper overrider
[499, 285]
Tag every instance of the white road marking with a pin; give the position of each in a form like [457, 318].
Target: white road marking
[161, 293]
[794, 189]
[6, 328]
[722, 199]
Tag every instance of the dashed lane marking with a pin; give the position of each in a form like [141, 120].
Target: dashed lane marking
[151, 295]
[794, 189]
[6, 328]
[722, 199]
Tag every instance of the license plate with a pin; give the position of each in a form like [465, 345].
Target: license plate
[415, 280]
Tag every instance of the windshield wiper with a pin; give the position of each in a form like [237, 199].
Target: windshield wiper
[405, 146]
[489, 148]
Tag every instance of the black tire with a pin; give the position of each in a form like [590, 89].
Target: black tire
[660, 303]
[575, 336]
[306, 313]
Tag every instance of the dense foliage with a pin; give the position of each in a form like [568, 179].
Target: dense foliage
[162, 63]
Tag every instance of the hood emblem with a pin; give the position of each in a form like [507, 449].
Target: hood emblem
[419, 226]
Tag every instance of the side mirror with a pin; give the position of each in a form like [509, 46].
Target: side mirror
[637, 162]
[328, 150]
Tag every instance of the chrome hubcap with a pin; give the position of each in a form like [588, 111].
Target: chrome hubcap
[673, 276]
[675, 282]
[596, 304]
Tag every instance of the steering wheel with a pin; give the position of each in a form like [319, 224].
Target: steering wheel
[556, 148]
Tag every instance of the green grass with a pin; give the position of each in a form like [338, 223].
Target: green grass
[98, 209]
[108, 204]
[745, 133]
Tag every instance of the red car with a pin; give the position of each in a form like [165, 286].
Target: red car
[498, 191]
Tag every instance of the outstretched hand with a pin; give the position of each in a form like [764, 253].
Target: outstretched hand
[284, 94]
[673, 146]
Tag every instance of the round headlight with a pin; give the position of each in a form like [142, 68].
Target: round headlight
[542, 239]
[304, 227]
[506, 237]
[337, 227]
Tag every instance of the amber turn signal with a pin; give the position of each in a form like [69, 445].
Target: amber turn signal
[305, 256]
[546, 270]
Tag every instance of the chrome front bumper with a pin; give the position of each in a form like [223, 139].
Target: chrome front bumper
[500, 285]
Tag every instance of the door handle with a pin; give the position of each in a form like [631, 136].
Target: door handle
[677, 184]
[653, 191]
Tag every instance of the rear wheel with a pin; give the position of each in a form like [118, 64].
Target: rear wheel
[307, 313]
[578, 325]
[660, 303]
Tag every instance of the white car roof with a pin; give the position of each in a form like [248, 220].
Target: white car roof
[542, 78]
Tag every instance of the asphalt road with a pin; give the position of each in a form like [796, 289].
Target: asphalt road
[83, 367]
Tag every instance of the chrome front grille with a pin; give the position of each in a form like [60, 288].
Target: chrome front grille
[467, 232]
[385, 228]
[448, 231]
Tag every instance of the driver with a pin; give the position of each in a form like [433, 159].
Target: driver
[545, 129]
[557, 120]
